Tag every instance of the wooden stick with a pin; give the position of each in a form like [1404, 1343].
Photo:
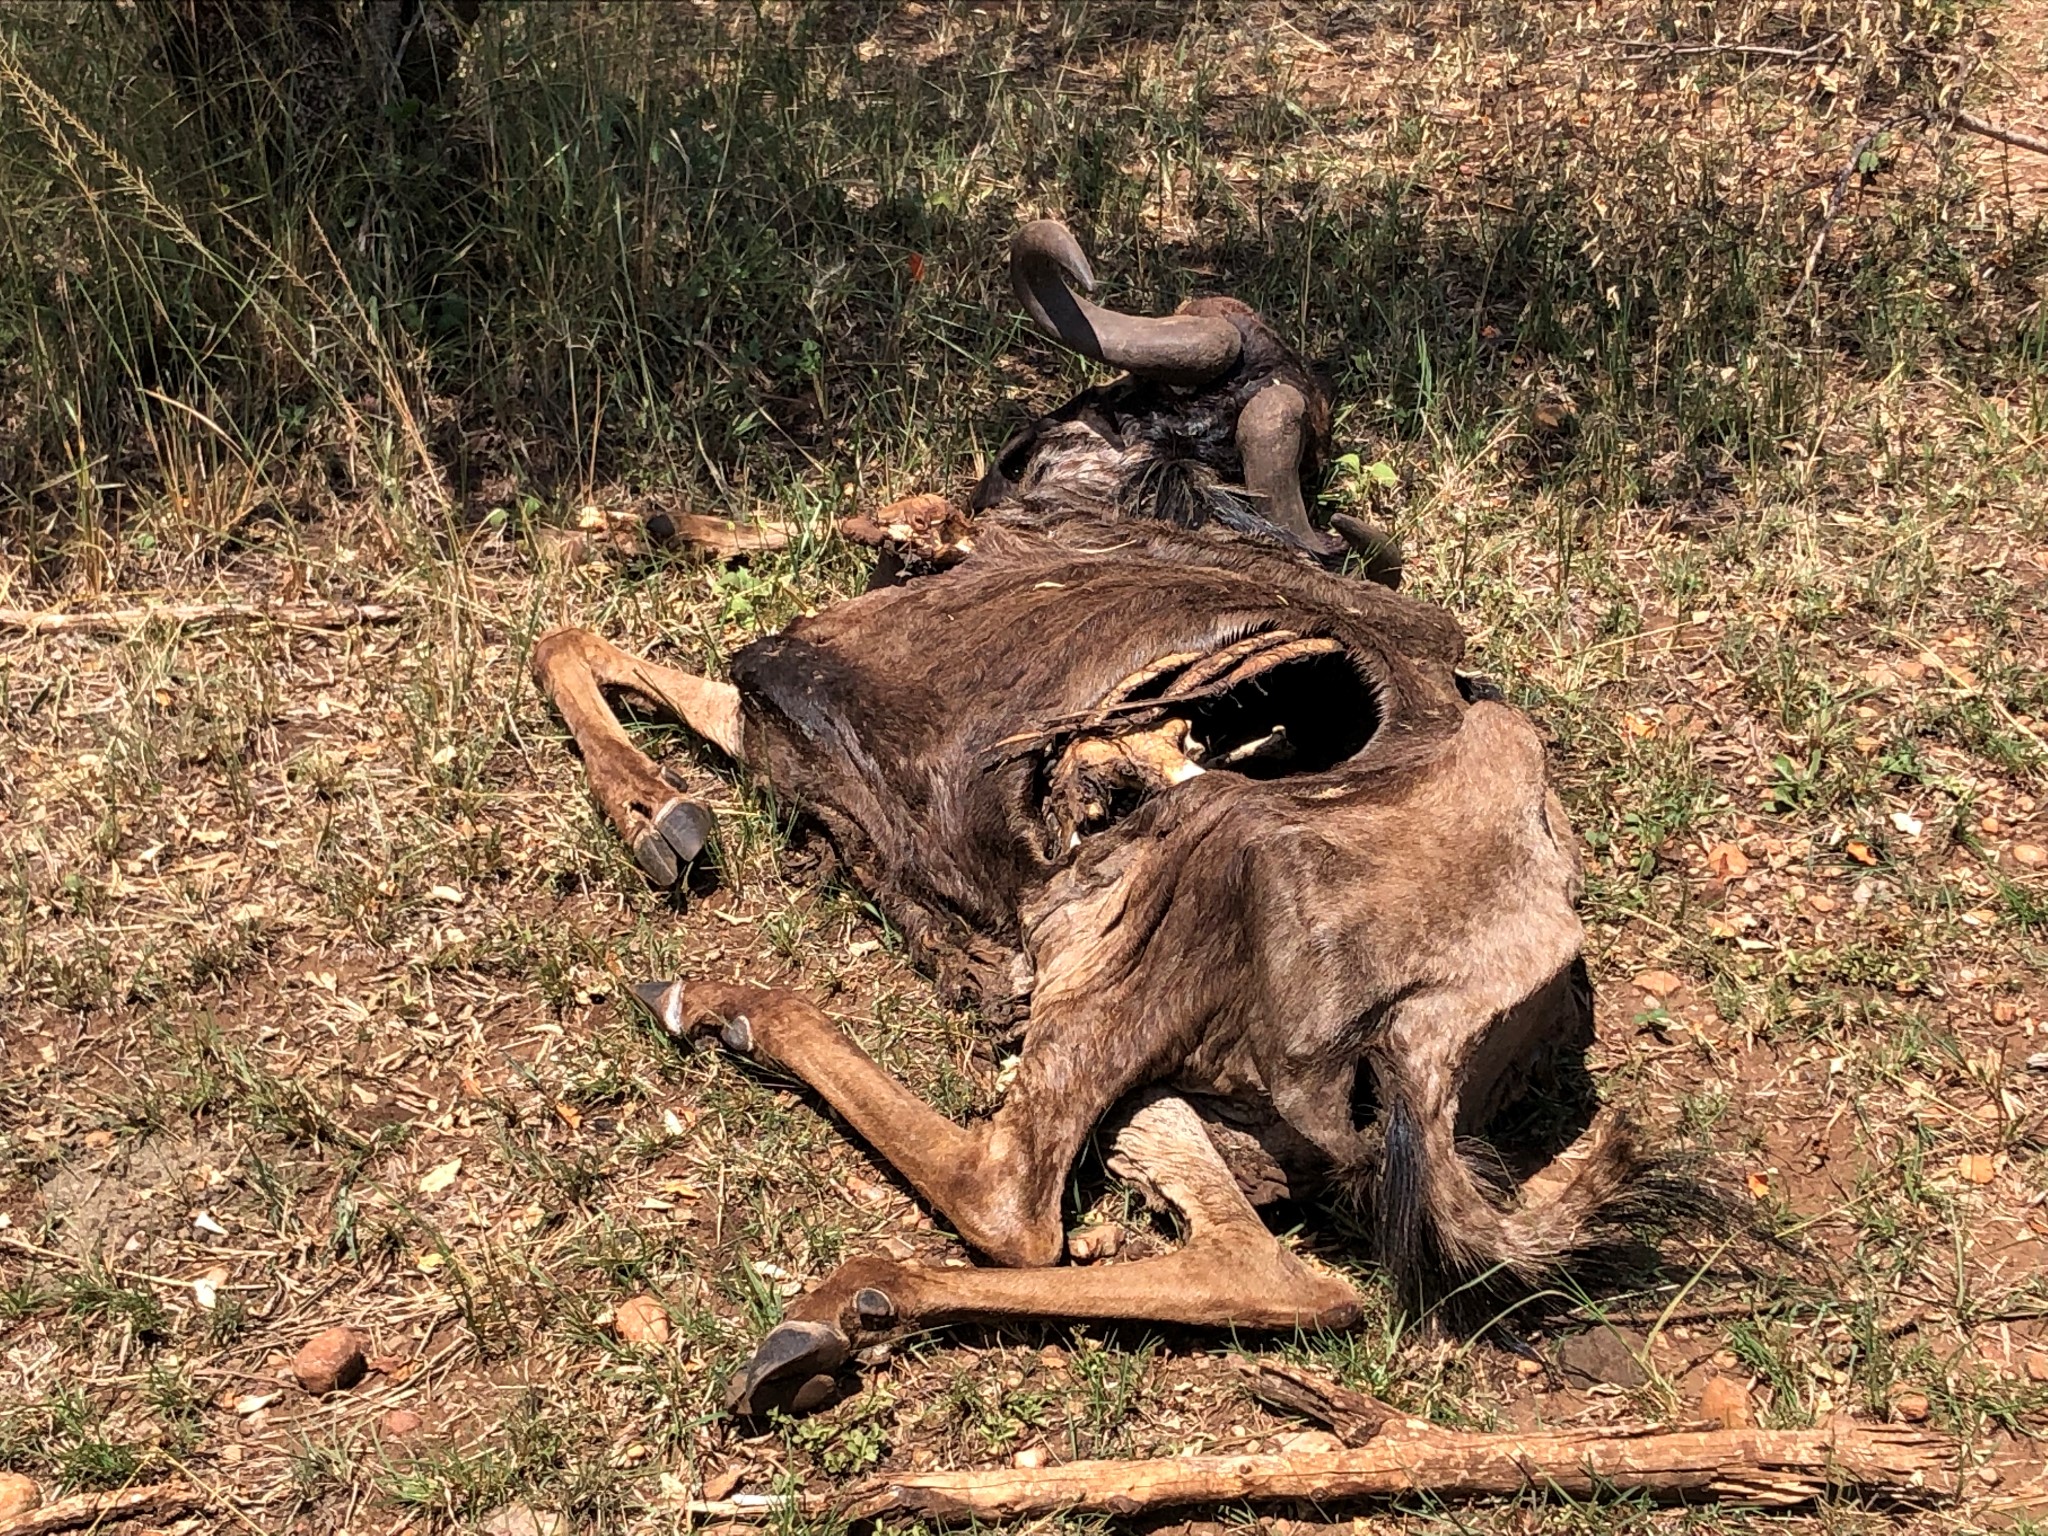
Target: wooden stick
[1354, 1416]
[85, 621]
[2013, 136]
[153, 1501]
[1770, 1467]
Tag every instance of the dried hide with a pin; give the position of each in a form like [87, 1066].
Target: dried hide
[1344, 862]
[1136, 772]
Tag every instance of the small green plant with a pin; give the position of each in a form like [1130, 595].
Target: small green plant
[845, 1442]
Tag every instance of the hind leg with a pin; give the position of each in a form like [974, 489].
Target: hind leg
[665, 831]
[1229, 1272]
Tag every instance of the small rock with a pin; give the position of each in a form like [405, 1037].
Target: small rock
[1601, 1356]
[1725, 1359]
[2037, 1366]
[641, 1320]
[18, 1494]
[1092, 1243]
[2005, 1011]
[1031, 1457]
[1990, 1476]
[1909, 1407]
[330, 1362]
[1528, 1367]
[898, 1248]
[518, 1520]
[401, 1422]
[1727, 1400]
[720, 1484]
[2033, 855]
[1309, 1442]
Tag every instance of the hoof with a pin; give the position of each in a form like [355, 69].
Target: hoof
[1380, 550]
[666, 848]
[663, 999]
[793, 1369]
[685, 826]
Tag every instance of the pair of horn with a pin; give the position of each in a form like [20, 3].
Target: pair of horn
[1046, 265]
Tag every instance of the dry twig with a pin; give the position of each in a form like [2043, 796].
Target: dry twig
[2017, 138]
[101, 620]
[153, 1501]
[1354, 1416]
[1771, 1467]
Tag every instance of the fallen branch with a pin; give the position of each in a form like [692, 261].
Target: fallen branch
[153, 1501]
[1355, 1417]
[90, 621]
[1775, 1468]
[2013, 136]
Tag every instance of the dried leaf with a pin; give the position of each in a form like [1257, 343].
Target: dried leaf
[435, 1180]
[1659, 983]
[1759, 1185]
[1976, 1168]
[1908, 823]
[1860, 852]
[1727, 861]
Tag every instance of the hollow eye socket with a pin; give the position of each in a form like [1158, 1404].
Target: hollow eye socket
[1304, 716]
[1472, 688]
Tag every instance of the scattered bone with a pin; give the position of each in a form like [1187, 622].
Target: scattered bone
[717, 538]
[296, 615]
[1092, 1243]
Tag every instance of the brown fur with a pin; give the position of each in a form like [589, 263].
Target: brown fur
[1385, 884]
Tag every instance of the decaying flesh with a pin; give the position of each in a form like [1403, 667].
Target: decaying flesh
[1199, 816]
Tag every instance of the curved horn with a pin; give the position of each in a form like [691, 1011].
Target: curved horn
[1269, 432]
[1180, 349]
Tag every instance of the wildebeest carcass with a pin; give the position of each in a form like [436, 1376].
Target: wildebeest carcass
[1133, 767]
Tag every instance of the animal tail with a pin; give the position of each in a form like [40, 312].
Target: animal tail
[1438, 1221]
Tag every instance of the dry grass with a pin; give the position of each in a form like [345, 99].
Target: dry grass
[315, 934]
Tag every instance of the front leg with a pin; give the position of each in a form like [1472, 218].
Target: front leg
[998, 1182]
[663, 828]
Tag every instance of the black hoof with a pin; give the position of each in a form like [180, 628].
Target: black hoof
[656, 859]
[678, 834]
[791, 1370]
[663, 999]
[1380, 550]
[686, 826]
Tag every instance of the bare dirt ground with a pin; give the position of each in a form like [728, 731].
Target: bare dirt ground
[314, 948]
